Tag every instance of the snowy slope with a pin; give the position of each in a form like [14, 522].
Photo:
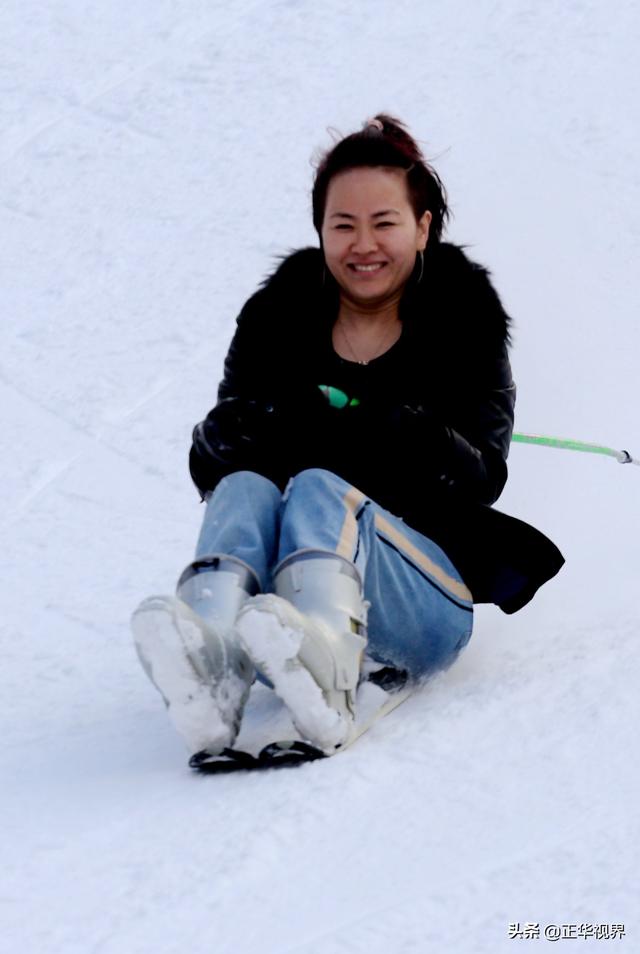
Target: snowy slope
[154, 158]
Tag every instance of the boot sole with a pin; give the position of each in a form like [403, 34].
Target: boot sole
[271, 632]
[168, 648]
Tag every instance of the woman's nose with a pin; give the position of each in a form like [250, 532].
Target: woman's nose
[364, 241]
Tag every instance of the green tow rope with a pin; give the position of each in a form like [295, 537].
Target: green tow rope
[622, 456]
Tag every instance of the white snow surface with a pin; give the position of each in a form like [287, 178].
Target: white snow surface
[155, 158]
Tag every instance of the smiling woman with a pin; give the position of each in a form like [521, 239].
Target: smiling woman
[360, 438]
[370, 238]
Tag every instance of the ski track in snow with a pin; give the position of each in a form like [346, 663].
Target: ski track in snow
[153, 163]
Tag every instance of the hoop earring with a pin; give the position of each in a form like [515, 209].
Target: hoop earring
[419, 278]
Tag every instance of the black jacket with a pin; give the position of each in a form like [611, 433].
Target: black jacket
[425, 430]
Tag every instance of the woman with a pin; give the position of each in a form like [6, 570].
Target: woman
[360, 436]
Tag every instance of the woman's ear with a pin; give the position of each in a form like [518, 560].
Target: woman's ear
[424, 224]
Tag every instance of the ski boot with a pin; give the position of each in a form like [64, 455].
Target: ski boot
[187, 647]
[308, 640]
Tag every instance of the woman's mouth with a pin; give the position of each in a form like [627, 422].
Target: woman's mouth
[366, 269]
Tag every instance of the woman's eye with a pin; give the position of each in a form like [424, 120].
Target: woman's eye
[343, 226]
[383, 225]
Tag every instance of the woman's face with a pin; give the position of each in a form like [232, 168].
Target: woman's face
[370, 234]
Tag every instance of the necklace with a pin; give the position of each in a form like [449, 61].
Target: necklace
[380, 347]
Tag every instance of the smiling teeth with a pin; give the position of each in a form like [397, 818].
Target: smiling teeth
[367, 268]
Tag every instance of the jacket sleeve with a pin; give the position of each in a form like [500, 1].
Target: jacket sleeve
[464, 453]
[480, 431]
[215, 449]
[476, 448]
[246, 368]
[257, 423]
[463, 442]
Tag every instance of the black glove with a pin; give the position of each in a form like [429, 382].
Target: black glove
[419, 429]
[227, 440]
[274, 438]
[233, 428]
[401, 430]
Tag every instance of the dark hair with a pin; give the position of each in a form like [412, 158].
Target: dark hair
[384, 141]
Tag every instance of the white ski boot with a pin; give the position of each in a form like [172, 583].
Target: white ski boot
[187, 647]
[308, 639]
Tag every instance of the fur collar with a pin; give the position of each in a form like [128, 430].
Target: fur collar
[452, 285]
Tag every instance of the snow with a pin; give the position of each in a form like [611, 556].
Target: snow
[272, 632]
[155, 158]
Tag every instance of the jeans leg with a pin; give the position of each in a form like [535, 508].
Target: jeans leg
[242, 520]
[421, 612]
[320, 511]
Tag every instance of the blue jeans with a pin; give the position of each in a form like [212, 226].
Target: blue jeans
[421, 612]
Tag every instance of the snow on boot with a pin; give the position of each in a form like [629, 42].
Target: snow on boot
[188, 648]
[308, 639]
